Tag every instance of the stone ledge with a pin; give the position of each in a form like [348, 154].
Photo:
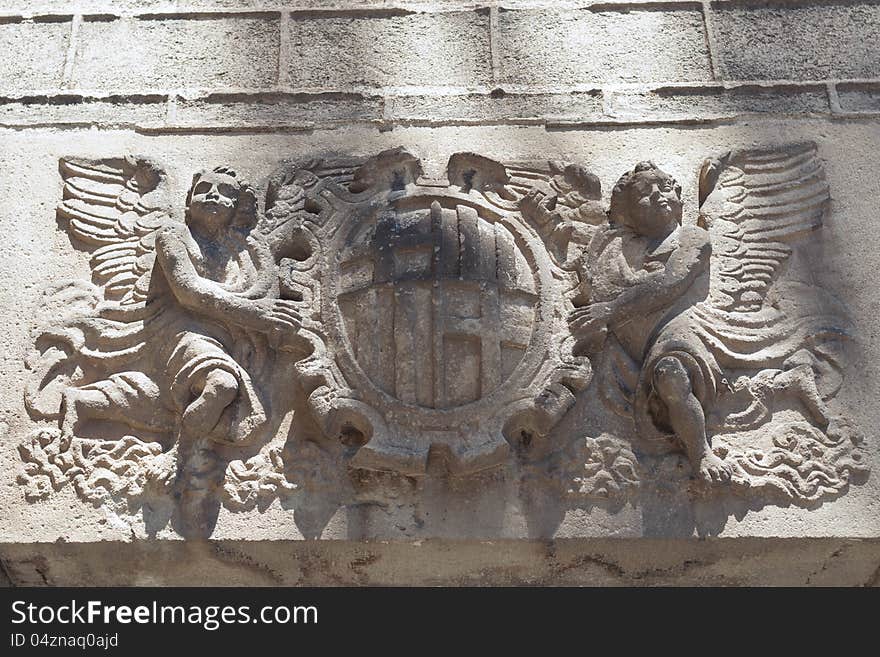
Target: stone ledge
[786, 4]
[682, 103]
[243, 109]
[277, 110]
[596, 562]
[78, 110]
[859, 98]
[495, 107]
[136, 7]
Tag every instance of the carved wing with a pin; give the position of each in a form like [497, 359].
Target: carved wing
[754, 203]
[116, 207]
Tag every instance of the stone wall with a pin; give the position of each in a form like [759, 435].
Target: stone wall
[164, 67]
[253, 84]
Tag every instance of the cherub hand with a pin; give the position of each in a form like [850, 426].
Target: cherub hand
[539, 206]
[590, 319]
[277, 315]
[562, 232]
[589, 326]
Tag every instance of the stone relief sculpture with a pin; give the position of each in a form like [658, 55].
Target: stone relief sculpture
[170, 340]
[364, 329]
[683, 327]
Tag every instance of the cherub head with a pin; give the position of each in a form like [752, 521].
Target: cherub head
[647, 200]
[218, 199]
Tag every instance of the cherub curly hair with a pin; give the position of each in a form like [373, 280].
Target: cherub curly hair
[622, 193]
[246, 206]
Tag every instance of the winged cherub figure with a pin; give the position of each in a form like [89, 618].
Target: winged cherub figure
[182, 319]
[692, 304]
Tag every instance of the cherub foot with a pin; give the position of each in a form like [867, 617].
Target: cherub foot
[712, 469]
[70, 401]
[201, 417]
[203, 414]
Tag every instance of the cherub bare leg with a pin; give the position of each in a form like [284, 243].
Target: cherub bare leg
[800, 377]
[129, 397]
[673, 385]
[199, 471]
[76, 402]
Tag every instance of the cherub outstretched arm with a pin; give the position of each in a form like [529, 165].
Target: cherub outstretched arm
[205, 297]
[660, 288]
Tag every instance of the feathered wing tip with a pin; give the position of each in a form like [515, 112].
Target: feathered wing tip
[115, 207]
[755, 203]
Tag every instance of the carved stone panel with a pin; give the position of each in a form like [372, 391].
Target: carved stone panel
[351, 329]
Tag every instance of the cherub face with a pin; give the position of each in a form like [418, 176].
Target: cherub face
[654, 203]
[214, 198]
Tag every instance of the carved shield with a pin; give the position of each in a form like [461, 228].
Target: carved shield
[440, 310]
[438, 304]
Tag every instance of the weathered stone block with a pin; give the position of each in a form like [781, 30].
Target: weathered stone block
[682, 104]
[172, 53]
[859, 97]
[496, 108]
[542, 48]
[798, 42]
[586, 562]
[33, 55]
[389, 50]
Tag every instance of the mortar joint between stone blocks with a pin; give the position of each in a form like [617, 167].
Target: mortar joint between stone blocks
[833, 98]
[711, 44]
[385, 108]
[171, 109]
[70, 55]
[607, 107]
[283, 77]
[494, 54]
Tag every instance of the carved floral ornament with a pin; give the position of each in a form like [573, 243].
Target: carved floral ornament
[354, 322]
